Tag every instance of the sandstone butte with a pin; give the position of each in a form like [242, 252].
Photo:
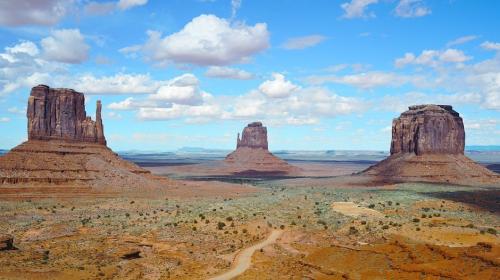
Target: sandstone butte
[428, 145]
[66, 147]
[252, 156]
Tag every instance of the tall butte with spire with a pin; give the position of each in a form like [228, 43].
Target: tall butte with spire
[66, 147]
[252, 156]
[428, 144]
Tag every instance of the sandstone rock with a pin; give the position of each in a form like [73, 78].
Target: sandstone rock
[253, 136]
[428, 129]
[428, 145]
[252, 156]
[60, 114]
[6, 242]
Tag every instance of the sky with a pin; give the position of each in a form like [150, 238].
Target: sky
[320, 74]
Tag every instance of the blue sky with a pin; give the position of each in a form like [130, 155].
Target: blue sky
[320, 74]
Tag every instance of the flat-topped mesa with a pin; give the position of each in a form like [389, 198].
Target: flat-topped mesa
[254, 136]
[428, 129]
[59, 114]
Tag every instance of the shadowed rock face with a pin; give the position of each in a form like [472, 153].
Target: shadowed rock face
[253, 136]
[59, 114]
[428, 129]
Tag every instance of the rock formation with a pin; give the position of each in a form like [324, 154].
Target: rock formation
[253, 136]
[6, 242]
[428, 145]
[66, 147]
[428, 129]
[60, 114]
[252, 156]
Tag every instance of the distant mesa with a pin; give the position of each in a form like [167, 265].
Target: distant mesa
[252, 156]
[67, 147]
[428, 145]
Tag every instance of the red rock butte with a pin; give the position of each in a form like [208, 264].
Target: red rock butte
[252, 156]
[428, 145]
[66, 147]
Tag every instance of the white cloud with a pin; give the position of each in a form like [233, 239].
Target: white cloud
[182, 90]
[33, 12]
[207, 40]
[120, 83]
[432, 58]
[357, 8]
[127, 4]
[461, 40]
[299, 43]
[367, 80]
[453, 55]
[235, 6]
[65, 45]
[491, 46]
[278, 87]
[228, 73]
[411, 9]
[4, 119]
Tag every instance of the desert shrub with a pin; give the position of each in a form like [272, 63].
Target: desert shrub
[321, 222]
[229, 219]
[424, 216]
[491, 231]
[416, 220]
[282, 227]
[385, 227]
[244, 230]
[371, 206]
[220, 225]
[353, 230]
[363, 222]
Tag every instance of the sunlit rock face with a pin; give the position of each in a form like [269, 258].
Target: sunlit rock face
[59, 114]
[254, 136]
[428, 129]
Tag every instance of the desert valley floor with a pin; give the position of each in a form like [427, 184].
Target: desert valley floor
[321, 226]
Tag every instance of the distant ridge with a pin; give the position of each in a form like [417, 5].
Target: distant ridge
[486, 148]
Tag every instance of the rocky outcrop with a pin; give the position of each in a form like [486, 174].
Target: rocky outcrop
[252, 156]
[428, 129]
[253, 136]
[60, 114]
[65, 147]
[428, 145]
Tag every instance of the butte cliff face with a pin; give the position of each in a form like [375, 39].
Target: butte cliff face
[66, 147]
[59, 114]
[253, 136]
[252, 156]
[428, 145]
[428, 129]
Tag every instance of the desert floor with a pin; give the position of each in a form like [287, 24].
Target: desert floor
[303, 228]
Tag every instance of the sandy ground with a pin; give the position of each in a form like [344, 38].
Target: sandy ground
[354, 210]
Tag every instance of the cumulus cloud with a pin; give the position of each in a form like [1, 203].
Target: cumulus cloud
[432, 58]
[299, 43]
[235, 6]
[278, 87]
[491, 46]
[120, 83]
[302, 106]
[206, 40]
[65, 45]
[357, 8]
[183, 90]
[33, 12]
[228, 73]
[4, 119]
[411, 9]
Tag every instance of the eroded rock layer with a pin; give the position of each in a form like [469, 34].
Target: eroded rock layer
[428, 145]
[252, 156]
[60, 114]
